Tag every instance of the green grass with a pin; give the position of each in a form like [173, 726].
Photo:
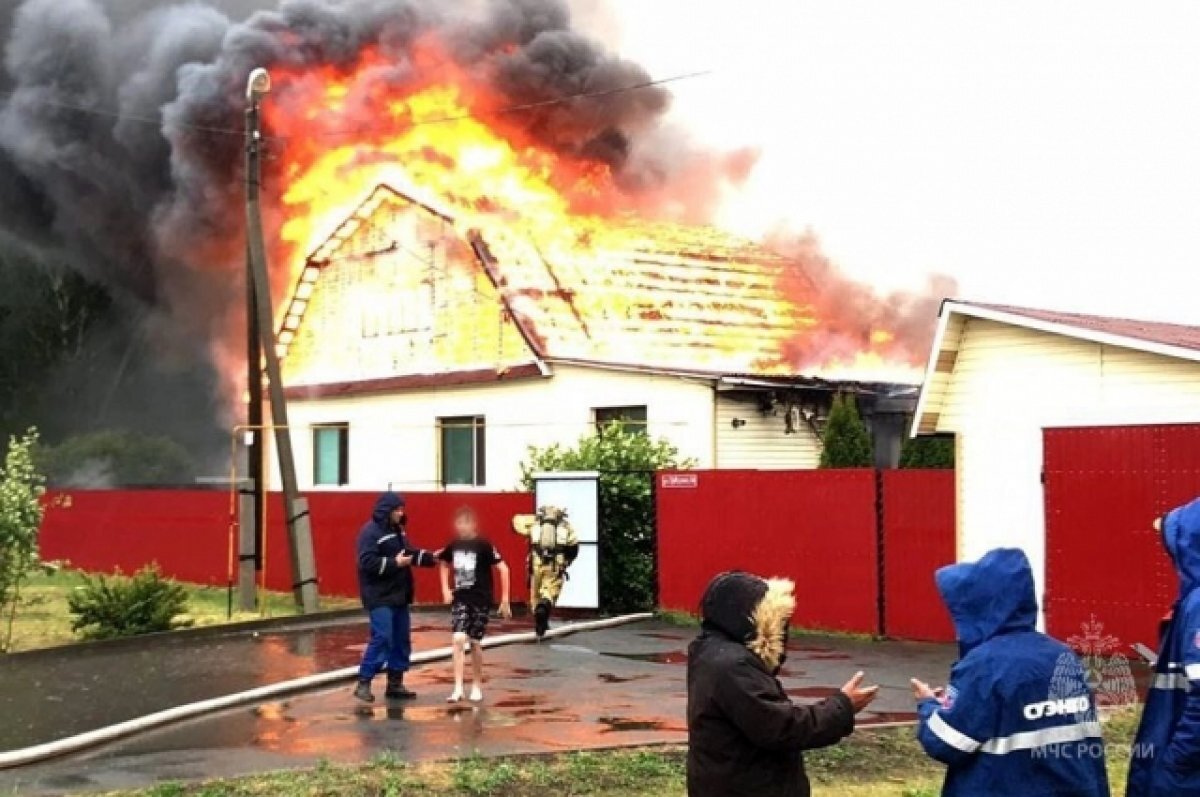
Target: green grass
[43, 619]
[885, 763]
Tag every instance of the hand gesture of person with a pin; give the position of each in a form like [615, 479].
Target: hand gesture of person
[505, 610]
[860, 696]
[922, 690]
[403, 559]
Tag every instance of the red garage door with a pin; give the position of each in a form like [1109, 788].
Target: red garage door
[1104, 562]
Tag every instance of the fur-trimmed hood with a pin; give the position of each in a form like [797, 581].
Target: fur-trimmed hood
[753, 611]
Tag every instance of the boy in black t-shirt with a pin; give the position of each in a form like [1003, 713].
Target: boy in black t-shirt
[472, 558]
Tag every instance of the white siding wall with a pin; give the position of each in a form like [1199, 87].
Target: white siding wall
[761, 443]
[394, 438]
[1008, 384]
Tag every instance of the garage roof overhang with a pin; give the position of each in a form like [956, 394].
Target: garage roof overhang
[1169, 340]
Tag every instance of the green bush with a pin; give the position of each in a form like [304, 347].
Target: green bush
[21, 490]
[116, 458]
[846, 443]
[107, 607]
[626, 460]
[928, 451]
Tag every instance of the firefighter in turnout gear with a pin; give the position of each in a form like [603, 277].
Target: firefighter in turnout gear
[552, 548]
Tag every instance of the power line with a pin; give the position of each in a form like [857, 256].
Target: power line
[526, 106]
[510, 109]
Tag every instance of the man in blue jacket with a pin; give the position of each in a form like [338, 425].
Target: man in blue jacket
[1018, 717]
[1166, 752]
[385, 583]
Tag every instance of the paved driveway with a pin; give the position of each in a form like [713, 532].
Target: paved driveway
[621, 686]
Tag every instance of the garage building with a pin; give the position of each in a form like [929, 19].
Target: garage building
[1071, 425]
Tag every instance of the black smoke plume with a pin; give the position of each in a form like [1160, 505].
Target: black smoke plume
[121, 162]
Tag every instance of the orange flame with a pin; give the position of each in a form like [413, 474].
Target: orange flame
[445, 139]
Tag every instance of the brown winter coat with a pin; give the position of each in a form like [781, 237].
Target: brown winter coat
[745, 736]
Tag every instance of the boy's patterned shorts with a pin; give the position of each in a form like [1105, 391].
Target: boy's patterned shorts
[469, 619]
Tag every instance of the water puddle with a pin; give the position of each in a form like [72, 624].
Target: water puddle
[610, 678]
[626, 724]
[667, 657]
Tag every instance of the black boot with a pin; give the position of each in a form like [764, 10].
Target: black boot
[363, 692]
[541, 619]
[396, 689]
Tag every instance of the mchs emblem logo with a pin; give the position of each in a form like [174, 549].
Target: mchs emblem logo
[1104, 670]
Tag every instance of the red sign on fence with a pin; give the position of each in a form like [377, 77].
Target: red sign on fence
[689, 481]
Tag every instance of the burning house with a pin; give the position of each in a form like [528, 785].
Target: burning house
[473, 211]
[419, 350]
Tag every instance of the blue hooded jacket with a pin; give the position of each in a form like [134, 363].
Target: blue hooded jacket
[1018, 716]
[1166, 753]
[382, 582]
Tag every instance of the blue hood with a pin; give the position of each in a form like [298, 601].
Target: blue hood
[1181, 536]
[990, 597]
[385, 505]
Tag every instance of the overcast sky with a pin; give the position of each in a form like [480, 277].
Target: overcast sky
[1043, 152]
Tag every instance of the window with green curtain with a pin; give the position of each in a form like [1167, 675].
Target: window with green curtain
[631, 419]
[462, 449]
[330, 454]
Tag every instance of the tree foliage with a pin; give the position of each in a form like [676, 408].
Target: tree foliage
[626, 461]
[47, 313]
[21, 490]
[928, 451]
[107, 607]
[846, 441]
[116, 457]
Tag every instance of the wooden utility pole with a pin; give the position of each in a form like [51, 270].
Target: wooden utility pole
[304, 567]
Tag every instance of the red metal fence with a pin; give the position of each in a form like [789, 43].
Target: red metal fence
[918, 538]
[823, 529]
[1104, 561]
[187, 533]
[819, 528]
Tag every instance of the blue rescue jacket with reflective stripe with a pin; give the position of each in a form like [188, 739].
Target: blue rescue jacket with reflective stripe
[1018, 717]
[1166, 753]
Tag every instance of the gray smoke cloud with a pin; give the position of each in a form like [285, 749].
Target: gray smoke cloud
[121, 153]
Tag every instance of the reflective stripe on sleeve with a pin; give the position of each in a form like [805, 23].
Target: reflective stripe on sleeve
[1170, 681]
[382, 566]
[384, 539]
[1031, 740]
[956, 739]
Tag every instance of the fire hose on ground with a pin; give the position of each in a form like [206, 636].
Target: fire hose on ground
[110, 733]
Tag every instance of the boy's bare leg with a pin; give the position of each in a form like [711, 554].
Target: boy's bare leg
[477, 672]
[460, 663]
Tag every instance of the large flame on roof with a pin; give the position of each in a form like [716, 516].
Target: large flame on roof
[644, 290]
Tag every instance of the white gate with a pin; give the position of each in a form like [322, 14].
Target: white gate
[578, 493]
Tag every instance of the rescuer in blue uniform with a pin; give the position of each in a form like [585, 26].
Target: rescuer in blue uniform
[1018, 717]
[385, 583]
[1166, 752]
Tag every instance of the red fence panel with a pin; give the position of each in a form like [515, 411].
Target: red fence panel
[815, 527]
[1104, 560]
[187, 533]
[337, 518]
[919, 537]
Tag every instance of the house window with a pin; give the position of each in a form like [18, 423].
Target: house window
[631, 419]
[331, 454]
[463, 451]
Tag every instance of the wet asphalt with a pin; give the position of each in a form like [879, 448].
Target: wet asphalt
[623, 686]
